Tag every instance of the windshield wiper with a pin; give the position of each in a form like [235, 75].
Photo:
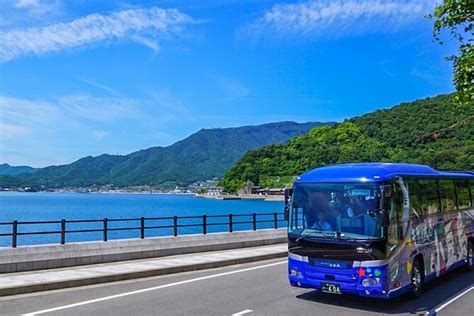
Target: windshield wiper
[312, 234]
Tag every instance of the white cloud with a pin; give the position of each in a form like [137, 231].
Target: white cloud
[19, 117]
[62, 129]
[143, 25]
[100, 134]
[37, 7]
[29, 118]
[12, 131]
[98, 109]
[24, 4]
[25, 117]
[232, 88]
[340, 17]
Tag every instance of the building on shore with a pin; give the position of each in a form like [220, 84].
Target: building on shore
[215, 191]
[268, 191]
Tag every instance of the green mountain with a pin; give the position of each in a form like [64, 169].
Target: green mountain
[6, 169]
[433, 131]
[206, 154]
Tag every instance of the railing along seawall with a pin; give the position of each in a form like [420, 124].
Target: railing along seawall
[142, 225]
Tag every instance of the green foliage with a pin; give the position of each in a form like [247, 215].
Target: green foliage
[201, 191]
[275, 181]
[457, 16]
[432, 131]
[206, 154]
[11, 180]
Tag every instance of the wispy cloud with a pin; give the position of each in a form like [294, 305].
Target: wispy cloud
[37, 7]
[98, 109]
[153, 45]
[99, 85]
[146, 26]
[25, 4]
[335, 18]
[62, 129]
[232, 89]
[29, 117]
[100, 134]
[19, 117]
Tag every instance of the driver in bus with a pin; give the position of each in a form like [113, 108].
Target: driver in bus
[355, 207]
[321, 223]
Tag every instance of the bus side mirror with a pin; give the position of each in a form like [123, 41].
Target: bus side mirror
[288, 193]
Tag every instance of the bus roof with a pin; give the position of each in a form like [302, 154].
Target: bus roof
[374, 172]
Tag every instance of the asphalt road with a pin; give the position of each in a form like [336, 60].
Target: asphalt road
[259, 288]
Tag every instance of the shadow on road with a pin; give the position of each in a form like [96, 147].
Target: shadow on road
[435, 293]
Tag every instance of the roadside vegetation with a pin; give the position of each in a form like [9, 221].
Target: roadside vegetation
[457, 18]
[433, 131]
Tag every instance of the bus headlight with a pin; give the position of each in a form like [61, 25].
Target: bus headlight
[296, 273]
[371, 282]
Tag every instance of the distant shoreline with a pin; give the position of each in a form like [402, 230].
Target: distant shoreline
[247, 197]
[243, 197]
[104, 193]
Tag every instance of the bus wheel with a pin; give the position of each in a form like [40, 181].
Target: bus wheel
[417, 278]
[470, 256]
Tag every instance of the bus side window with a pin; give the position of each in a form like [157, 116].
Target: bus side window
[395, 209]
[462, 189]
[415, 197]
[447, 195]
[429, 196]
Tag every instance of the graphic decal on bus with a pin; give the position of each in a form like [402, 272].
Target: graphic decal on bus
[378, 230]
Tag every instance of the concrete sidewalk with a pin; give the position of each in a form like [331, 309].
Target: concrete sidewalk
[51, 279]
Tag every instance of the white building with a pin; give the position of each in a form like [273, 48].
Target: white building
[215, 191]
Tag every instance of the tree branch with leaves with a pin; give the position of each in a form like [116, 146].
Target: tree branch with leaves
[457, 16]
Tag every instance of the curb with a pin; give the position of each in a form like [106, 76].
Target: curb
[24, 289]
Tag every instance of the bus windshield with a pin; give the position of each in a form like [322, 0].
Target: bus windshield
[336, 210]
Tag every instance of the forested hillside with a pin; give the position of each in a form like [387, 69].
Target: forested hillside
[6, 169]
[433, 131]
[206, 154]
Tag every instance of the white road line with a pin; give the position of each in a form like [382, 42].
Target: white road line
[106, 298]
[453, 299]
[246, 311]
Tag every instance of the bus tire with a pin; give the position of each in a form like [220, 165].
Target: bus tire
[417, 279]
[470, 256]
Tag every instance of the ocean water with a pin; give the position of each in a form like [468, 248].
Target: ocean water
[25, 207]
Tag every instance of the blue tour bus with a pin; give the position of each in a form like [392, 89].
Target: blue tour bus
[378, 229]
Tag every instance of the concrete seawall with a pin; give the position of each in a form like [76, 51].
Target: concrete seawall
[41, 257]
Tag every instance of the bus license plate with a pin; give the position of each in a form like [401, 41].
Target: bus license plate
[330, 288]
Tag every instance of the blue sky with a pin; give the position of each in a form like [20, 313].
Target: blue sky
[119, 76]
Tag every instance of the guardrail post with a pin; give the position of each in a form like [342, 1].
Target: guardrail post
[105, 229]
[142, 227]
[231, 224]
[254, 221]
[14, 233]
[204, 224]
[63, 231]
[175, 226]
[275, 220]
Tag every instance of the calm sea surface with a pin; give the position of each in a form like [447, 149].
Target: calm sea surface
[74, 206]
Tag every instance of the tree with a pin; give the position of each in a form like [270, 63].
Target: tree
[457, 16]
[201, 191]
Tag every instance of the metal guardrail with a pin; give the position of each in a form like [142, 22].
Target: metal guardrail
[175, 222]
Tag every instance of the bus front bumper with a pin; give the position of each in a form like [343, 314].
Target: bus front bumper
[340, 277]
